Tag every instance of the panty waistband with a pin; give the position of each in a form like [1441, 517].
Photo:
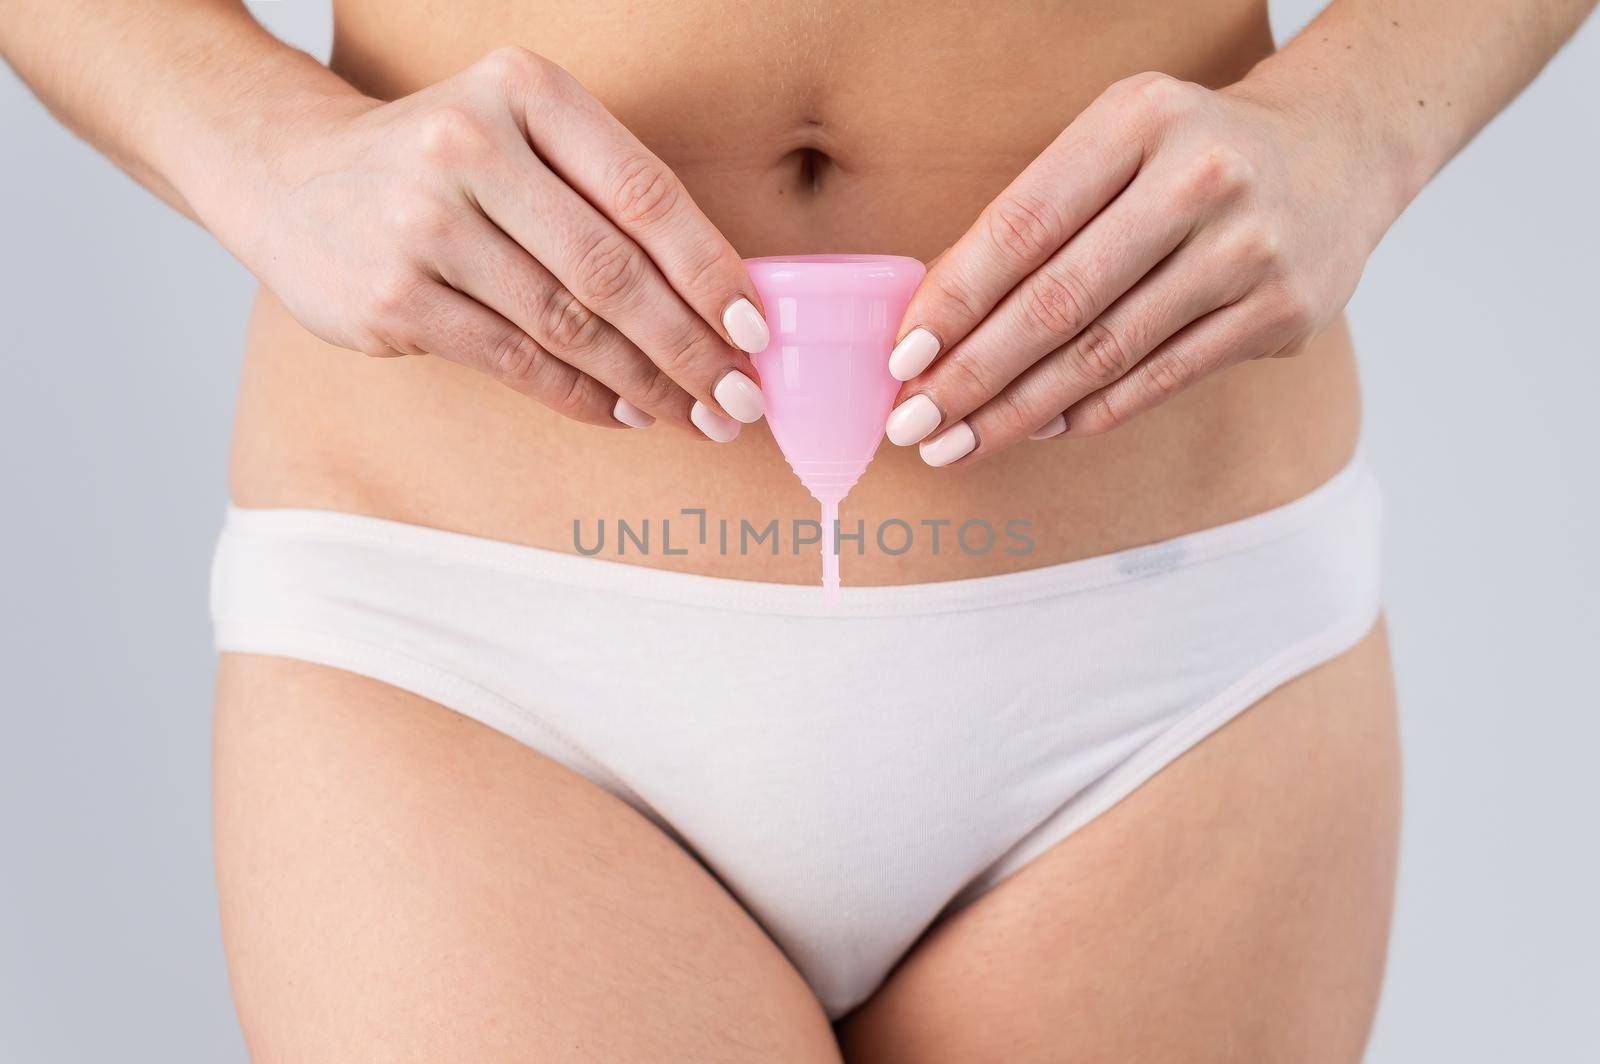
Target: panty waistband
[1350, 493]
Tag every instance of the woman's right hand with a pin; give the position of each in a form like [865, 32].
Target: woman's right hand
[503, 219]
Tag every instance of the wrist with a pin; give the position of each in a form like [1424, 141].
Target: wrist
[1338, 122]
[228, 156]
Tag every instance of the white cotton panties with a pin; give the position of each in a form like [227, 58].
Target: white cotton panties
[848, 773]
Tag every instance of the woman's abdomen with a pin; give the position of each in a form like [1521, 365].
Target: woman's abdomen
[884, 132]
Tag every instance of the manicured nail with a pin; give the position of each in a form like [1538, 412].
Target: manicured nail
[1054, 427]
[631, 415]
[953, 443]
[714, 425]
[913, 354]
[746, 327]
[912, 420]
[739, 396]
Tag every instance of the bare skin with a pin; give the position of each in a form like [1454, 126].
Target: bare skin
[437, 200]
[899, 160]
[490, 905]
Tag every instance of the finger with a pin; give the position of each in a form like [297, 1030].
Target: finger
[1092, 160]
[612, 276]
[1227, 336]
[1176, 293]
[597, 155]
[1056, 302]
[1182, 290]
[445, 323]
[490, 267]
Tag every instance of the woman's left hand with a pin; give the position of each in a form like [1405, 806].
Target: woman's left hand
[1169, 232]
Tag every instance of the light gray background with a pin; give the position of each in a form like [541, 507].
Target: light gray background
[120, 330]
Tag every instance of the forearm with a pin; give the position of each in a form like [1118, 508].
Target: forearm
[180, 93]
[1412, 81]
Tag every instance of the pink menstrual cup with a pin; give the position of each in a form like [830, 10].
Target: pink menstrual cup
[825, 373]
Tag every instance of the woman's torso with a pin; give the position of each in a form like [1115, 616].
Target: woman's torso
[797, 128]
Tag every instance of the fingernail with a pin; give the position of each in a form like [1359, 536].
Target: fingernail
[953, 443]
[631, 415]
[912, 420]
[714, 425]
[746, 327]
[913, 354]
[739, 396]
[1054, 427]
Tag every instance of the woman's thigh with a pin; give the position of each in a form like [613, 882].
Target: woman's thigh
[1234, 908]
[401, 883]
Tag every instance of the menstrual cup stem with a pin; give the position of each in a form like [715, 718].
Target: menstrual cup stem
[830, 553]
